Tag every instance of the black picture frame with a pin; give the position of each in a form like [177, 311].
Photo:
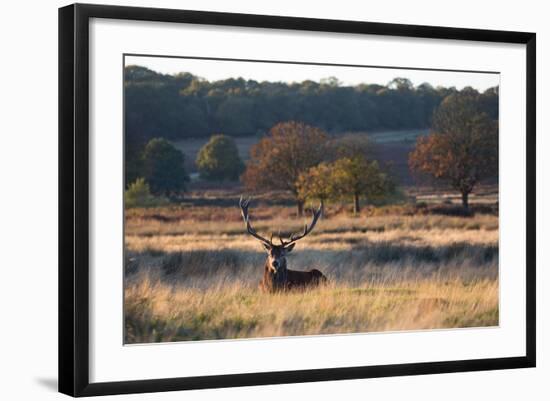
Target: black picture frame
[74, 200]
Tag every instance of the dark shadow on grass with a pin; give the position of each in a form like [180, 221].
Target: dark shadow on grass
[459, 211]
[236, 264]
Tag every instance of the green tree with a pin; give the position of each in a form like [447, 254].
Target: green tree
[358, 177]
[317, 183]
[401, 84]
[219, 159]
[462, 148]
[163, 167]
[290, 149]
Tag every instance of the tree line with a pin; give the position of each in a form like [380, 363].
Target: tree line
[185, 106]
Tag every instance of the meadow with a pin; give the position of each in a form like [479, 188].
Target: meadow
[192, 273]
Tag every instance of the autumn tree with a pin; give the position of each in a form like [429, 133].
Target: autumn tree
[276, 161]
[219, 159]
[462, 148]
[317, 183]
[358, 178]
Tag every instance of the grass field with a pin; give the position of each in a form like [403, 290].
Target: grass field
[192, 273]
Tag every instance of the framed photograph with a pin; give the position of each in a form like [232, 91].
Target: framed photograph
[249, 199]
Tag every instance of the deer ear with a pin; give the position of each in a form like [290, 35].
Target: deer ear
[266, 246]
[289, 248]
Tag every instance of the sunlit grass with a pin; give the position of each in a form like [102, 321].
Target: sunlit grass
[190, 276]
[160, 312]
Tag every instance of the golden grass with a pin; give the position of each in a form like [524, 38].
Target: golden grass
[339, 241]
[160, 312]
[147, 223]
[191, 277]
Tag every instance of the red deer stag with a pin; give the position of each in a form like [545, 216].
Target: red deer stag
[276, 275]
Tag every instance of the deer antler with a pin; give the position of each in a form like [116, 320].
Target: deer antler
[307, 229]
[244, 203]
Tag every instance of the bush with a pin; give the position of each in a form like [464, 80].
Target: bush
[138, 194]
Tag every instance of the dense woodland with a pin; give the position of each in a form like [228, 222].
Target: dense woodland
[184, 105]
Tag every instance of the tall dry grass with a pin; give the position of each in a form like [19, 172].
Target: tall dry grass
[191, 277]
[159, 312]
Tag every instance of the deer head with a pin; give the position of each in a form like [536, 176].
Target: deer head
[276, 253]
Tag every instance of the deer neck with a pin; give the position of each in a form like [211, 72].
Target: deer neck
[278, 279]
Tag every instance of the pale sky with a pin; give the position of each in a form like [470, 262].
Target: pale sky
[213, 70]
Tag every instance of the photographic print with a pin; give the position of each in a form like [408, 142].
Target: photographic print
[274, 199]
[238, 192]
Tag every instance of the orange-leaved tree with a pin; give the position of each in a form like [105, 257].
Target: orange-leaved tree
[276, 161]
[462, 148]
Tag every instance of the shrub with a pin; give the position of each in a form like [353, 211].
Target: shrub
[138, 194]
